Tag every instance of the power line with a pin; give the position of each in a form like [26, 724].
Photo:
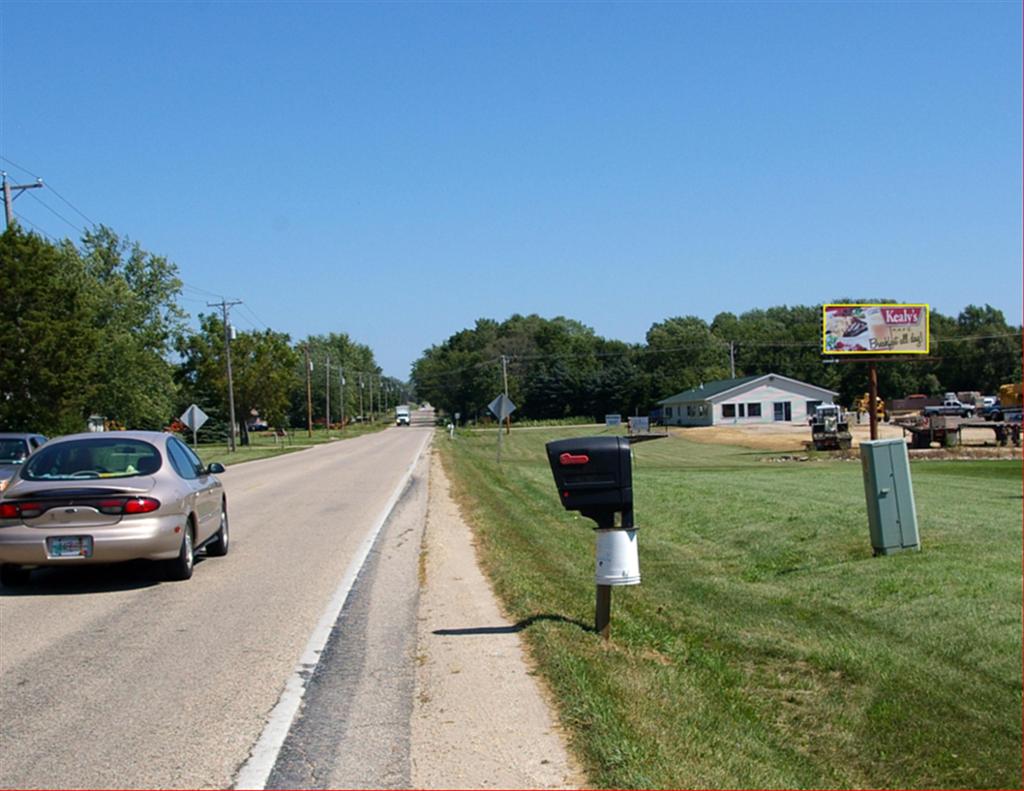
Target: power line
[56, 213]
[20, 167]
[13, 191]
[70, 204]
[50, 187]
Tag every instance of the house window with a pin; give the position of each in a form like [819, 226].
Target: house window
[728, 410]
[783, 410]
[702, 410]
[668, 411]
[742, 410]
[754, 410]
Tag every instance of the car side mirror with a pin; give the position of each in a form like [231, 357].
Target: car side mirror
[215, 467]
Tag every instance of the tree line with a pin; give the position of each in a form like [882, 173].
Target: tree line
[96, 328]
[559, 367]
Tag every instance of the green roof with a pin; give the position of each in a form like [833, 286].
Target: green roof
[710, 389]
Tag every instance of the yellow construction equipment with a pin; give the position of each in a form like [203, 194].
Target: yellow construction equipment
[861, 405]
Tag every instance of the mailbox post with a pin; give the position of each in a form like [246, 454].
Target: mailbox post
[594, 476]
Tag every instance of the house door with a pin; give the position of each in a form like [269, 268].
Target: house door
[783, 410]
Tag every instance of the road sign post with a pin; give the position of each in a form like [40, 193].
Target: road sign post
[502, 408]
[194, 417]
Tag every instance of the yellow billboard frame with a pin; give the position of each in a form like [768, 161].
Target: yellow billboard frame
[889, 305]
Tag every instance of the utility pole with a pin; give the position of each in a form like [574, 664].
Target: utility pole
[327, 407]
[362, 414]
[504, 376]
[224, 306]
[372, 415]
[309, 392]
[341, 384]
[732, 360]
[12, 191]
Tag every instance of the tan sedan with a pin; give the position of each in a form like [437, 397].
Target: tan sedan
[111, 497]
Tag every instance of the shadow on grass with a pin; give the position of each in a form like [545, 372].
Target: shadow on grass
[514, 628]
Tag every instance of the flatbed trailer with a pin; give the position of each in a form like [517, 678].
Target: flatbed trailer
[946, 430]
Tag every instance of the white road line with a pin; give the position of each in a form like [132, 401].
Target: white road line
[254, 773]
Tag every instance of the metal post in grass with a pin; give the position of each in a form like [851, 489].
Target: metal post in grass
[603, 612]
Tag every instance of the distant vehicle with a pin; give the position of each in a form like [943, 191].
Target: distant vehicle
[950, 406]
[992, 411]
[402, 415]
[14, 450]
[104, 498]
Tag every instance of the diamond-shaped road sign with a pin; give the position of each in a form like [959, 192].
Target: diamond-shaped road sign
[194, 417]
[501, 407]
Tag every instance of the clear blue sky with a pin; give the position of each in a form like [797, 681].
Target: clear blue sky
[398, 171]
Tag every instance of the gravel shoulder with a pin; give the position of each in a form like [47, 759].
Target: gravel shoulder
[480, 719]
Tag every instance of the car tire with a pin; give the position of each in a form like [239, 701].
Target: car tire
[218, 548]
[14, 576]
[180, 568]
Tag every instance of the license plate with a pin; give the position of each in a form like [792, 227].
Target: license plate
[69, 546]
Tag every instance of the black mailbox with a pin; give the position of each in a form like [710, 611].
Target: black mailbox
[594, 476]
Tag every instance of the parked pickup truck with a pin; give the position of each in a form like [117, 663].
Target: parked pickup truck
[951, 406]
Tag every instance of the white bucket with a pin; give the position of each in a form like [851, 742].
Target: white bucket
[617, 560]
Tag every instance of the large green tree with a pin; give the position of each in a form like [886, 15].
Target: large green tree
[134, 302]
[263, 368]
[88, 330]
[51, 336]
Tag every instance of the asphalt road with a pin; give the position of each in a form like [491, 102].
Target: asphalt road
[111, 680]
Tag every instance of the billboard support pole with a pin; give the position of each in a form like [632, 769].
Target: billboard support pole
[873, 399]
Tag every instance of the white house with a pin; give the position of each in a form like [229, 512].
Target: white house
[751, 399]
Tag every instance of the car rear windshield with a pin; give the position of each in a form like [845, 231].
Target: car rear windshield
[100, 457]
[13, 451]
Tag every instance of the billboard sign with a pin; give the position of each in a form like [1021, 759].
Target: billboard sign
[874, 329]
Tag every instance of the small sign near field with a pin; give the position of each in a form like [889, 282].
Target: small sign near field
[610, 421]
[639, 425]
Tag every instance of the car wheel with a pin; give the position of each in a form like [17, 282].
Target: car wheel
[12, 576]
[180, 568]
[218, 548]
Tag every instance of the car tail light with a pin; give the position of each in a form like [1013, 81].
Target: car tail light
[112, 506]
[20, 510]
[141, 505]
[125, 505]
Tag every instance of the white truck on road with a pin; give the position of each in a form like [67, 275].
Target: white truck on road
[402, 415]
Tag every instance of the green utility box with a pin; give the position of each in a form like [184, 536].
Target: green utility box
[892, 517]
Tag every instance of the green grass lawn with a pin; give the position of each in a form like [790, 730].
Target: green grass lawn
[264, 445]
[766, 647]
